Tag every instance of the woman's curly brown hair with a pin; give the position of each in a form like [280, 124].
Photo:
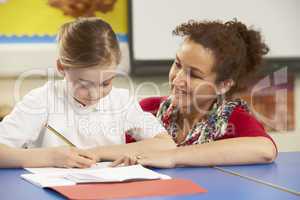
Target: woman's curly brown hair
[238, 50]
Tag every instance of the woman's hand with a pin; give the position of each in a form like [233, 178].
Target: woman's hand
[125, 161]
[159, 159]
[70, 157]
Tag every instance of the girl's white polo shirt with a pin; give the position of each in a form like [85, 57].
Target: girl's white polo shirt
[104, 123]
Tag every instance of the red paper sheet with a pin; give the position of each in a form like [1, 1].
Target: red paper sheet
[129, 189]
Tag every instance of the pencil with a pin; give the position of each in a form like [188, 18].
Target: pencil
[52, 130]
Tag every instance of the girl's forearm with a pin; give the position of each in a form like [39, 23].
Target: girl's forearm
[17, 157]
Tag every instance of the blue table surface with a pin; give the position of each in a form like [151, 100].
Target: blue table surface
[285, 171]
[223, 186]
[219, 185]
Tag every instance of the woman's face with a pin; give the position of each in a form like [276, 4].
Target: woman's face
[192, 78]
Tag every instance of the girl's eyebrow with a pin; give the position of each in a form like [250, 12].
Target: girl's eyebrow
[85, 80]
[91, 82]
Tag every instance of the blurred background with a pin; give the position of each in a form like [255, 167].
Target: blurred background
[28, 51]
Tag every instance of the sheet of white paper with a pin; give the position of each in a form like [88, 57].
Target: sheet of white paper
[46, 180]
[108, 174]
[118, 174]
[55, 170]
[128, 173]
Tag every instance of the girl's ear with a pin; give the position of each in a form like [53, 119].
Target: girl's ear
[225, 86]
[60, 67]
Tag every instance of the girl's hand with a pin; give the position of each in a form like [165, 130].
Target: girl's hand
[70, 157]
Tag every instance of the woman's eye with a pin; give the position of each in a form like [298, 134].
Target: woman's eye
[196, 76]
[193, 75]
[178, 65]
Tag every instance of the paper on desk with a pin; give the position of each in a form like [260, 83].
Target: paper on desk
[118, 174]
[56, 170]
[47, 180]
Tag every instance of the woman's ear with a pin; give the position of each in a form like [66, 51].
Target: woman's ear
[225, 86]
[60, 67]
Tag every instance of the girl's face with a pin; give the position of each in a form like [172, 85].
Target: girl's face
[191, 77]
[89, 85]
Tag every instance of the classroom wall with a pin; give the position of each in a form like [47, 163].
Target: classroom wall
[28, 37]
[19, 58]
[278, 21]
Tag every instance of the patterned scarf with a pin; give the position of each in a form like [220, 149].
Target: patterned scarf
[207, 130]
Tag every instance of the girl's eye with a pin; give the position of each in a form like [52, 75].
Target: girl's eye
[84, 84]
[105, 83]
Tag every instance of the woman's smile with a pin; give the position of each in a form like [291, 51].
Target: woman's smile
[179, 92]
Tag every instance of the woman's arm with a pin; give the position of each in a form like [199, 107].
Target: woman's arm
[235, 151]
[45, 157]
[243, 150]
[160, 142]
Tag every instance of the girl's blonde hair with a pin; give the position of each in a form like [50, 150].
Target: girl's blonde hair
[88, 42]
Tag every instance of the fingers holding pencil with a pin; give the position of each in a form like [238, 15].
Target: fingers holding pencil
[70, 157]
